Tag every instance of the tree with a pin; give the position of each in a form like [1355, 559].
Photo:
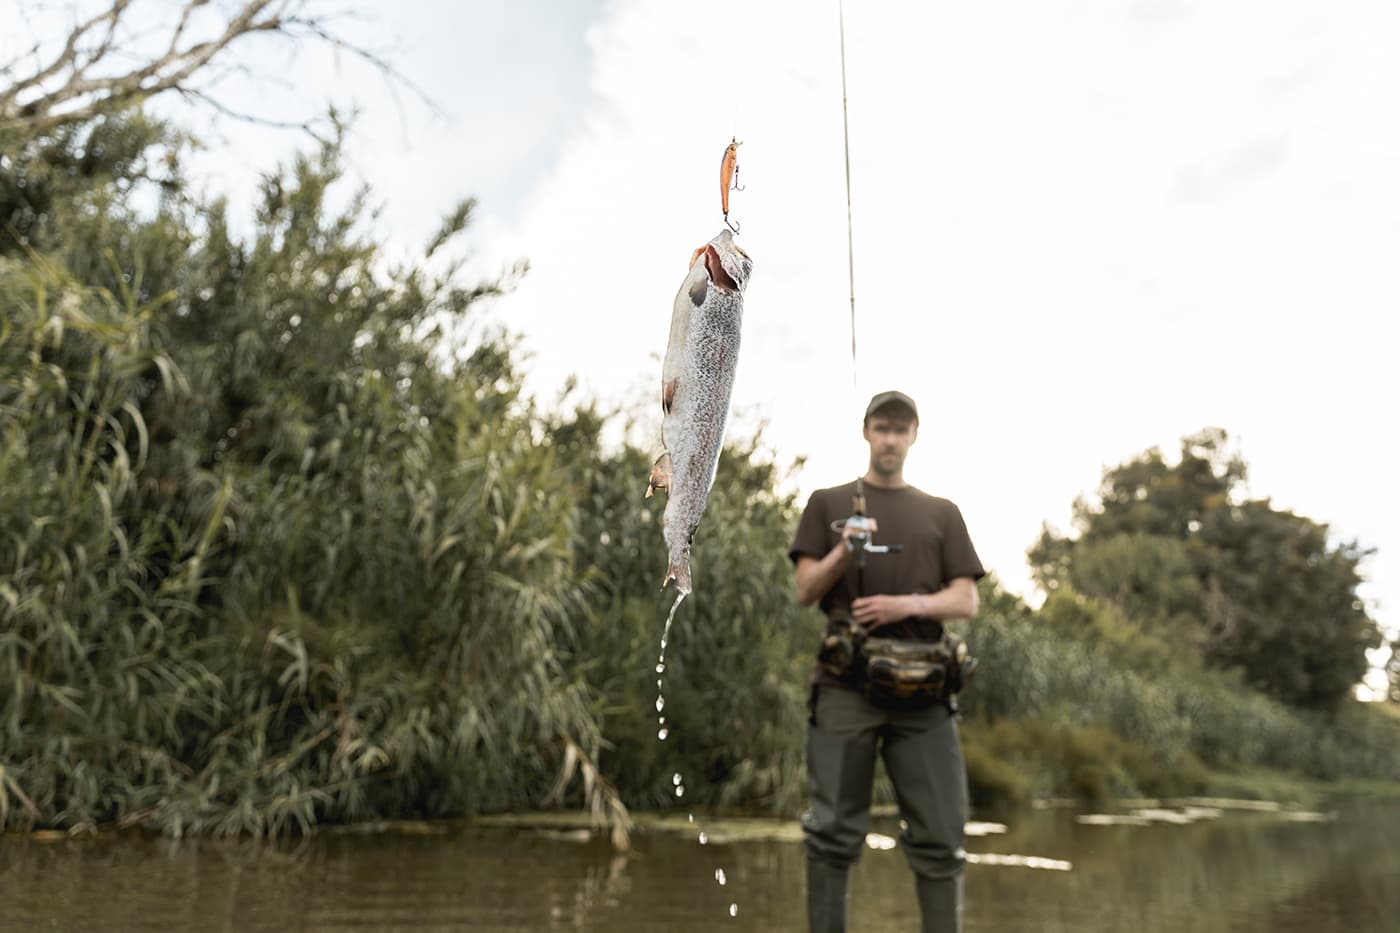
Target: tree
[72, 140]
[1175, 547]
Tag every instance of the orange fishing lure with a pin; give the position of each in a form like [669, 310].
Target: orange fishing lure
[729, 176]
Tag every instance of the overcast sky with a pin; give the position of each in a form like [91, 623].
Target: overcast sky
[1081, 229]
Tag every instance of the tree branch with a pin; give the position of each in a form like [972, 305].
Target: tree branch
[66, 57]
[79, 82]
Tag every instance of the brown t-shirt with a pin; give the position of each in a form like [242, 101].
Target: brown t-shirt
[936, 550]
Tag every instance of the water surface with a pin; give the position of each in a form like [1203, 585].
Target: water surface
[1243, 872]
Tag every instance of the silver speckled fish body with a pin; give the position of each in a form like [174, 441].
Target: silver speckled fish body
[697, 377]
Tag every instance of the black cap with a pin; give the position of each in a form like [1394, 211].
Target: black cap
[886, 399]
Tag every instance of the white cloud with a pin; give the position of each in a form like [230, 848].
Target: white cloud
[1079, 232]
[1081, 228]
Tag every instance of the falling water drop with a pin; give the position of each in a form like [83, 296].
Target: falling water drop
[704, 839]
[660, 667]
[676, 778]
[720, 876]
[660, 704]
[733, 910]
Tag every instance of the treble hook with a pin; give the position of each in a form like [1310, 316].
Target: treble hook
[728, 223]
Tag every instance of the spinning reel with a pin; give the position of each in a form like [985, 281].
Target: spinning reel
[859, 542]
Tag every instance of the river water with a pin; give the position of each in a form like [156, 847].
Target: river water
[1233, 870]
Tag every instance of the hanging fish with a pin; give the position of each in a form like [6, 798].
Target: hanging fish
[697, 377]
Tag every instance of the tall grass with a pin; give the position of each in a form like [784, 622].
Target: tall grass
[292, 575]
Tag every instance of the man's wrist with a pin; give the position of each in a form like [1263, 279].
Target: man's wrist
[920, 606]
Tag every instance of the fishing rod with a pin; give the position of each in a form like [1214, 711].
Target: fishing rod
[859, 543]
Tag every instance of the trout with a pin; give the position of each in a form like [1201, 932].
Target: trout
[697, 377]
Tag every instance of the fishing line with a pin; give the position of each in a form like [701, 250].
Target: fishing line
[850, 236]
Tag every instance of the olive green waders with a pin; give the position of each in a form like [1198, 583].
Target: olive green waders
[924, 761]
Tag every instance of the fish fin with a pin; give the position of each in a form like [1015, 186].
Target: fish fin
[699, 288]
[696, 255]
[715, 267]
[660, 478]
[680, 572]
[668, 394]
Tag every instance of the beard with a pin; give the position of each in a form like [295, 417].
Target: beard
[890, 464]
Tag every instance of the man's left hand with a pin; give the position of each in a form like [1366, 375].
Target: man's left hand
[875, 611]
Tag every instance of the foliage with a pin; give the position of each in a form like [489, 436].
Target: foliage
[738, 654]
[1056, 758]
[263, 563]
[1053, 683]
[1253, 588]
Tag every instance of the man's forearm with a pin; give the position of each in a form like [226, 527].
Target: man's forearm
[815, 577]
[958, 600]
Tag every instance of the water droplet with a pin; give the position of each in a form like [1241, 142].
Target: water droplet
[661, 720]
[704, 839]
[676, 778]
[680, 791]
[690, 817]
[660, 704]
[660, 668]
[662, 733]
[720, 877]
[733, 910]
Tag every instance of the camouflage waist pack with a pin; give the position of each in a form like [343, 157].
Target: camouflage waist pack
[896, 673]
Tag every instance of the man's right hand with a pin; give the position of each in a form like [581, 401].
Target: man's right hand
[868, 527]
[816, 576]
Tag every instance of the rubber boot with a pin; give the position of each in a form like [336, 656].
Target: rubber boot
[827, 889]
[940, 904]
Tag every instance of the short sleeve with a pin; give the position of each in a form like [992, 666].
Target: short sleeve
[958, 555]
[811, 538]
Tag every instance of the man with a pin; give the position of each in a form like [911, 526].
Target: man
[906, 594]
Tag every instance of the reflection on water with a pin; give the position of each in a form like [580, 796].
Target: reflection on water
[1242, 872]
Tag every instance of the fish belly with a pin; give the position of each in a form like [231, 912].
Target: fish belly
[693, 429]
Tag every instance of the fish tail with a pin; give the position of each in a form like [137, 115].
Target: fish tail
[679, 570]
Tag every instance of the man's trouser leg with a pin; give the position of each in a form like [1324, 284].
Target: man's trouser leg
[925, 764]
[840, 772]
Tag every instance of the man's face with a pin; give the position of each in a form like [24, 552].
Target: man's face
[889, 437]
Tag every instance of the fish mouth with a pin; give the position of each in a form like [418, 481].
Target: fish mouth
[715, 267]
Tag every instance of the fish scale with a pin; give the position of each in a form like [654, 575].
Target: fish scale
[697, 377]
